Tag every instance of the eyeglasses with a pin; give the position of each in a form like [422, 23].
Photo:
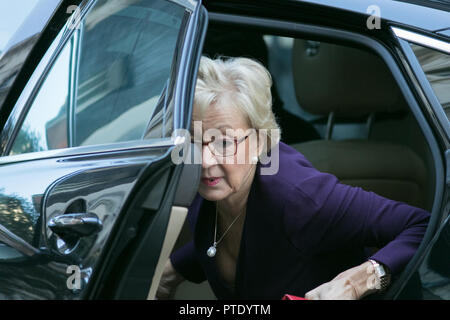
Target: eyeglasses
[224, 146]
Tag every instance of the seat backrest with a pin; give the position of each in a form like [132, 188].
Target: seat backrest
[344, 80]
[351, 82]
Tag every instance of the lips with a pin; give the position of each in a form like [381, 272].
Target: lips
[211, 181]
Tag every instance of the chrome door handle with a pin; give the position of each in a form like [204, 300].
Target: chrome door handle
[75, 225]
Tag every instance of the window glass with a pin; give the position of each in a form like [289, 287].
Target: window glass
[436, 66]
[17, 38]
[12, 15]
[108, 84]
[45, 126]
[280, 66]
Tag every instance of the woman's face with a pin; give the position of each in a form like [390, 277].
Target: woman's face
[223, 177]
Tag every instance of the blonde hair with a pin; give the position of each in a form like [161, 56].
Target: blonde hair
[247, 82]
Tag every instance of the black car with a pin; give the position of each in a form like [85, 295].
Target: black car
[93, 92]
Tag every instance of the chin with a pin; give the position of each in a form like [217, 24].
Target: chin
[212, 195]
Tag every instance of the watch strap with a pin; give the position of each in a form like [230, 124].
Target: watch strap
[382, 274]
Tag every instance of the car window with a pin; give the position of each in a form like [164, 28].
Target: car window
[107, 85]
[280, 66]
[45, 126]
[13, 15]
[436, 66]
[21, 24]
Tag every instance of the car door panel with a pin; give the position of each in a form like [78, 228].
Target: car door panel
[130, 261]
[101, 191]
[102, 185]
[129, 186]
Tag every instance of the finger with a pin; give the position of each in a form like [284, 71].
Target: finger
[314, 294]
[320, 292]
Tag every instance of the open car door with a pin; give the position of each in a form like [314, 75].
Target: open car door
[91, 202]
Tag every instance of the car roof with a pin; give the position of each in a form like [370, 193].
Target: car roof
[424, 15]
[429, 15]
[436, 4]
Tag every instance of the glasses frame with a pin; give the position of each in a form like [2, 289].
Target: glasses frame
[236, 141]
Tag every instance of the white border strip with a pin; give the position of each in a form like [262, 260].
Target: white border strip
[422, 40]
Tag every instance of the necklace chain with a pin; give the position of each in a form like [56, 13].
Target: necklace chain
[223, 235]
[212, 250]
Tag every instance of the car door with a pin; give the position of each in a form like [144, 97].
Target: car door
[88, 187]
[428, 61]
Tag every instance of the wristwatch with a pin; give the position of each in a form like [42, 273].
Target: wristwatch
[383, 275]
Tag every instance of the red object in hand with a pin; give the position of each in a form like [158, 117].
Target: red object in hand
[291, 297]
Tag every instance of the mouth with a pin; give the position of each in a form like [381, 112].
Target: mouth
[211, 181]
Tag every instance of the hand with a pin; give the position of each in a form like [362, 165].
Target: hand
[170, 280]
[352, 284]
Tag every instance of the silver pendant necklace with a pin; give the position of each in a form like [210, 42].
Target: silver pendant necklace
[211, 252]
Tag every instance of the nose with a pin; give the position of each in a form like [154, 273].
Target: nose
[208, 159]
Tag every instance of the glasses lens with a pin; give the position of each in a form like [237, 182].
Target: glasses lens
[223, 147]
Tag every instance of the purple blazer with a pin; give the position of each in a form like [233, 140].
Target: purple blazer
[302, 228]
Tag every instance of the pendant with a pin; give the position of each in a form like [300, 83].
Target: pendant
[211, 251]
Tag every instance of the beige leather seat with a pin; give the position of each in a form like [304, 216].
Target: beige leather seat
[351, 83]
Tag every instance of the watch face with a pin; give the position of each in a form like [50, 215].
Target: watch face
[380, 271]
[378, 268]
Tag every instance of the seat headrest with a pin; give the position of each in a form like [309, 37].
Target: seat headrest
[348, 81]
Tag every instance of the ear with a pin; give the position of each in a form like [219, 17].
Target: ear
[262, 141]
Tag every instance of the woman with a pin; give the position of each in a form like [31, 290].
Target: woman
[298, 231]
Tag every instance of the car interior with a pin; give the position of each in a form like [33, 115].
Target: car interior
[339, 106]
